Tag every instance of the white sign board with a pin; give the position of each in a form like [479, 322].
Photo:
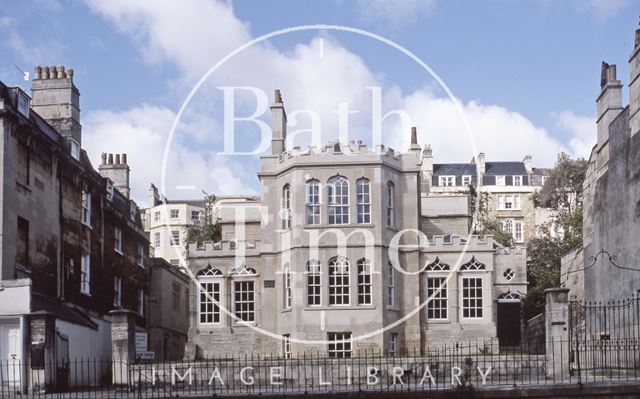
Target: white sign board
[141, 342]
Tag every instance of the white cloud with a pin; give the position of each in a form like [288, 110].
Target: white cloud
[394, 13]
[318, 75]
[581, 130]
[141, 133]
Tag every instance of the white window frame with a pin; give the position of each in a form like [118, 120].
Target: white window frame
[177, 213]
[446, 181]
[390, 198]
[312, 208]
[500, 180]
[391, 285]
[156, 216]
[508, 202]
[210, 291]
[478, 301]
[507, 226]
[466, 180]
[117, 234]
[438, 305]
[175, 242]
[339, 283]
[244, 309]
[364, 282]
[157, 239]
[285, 207]
[339, 345]
[85, 274]
[517, 180]
[117, 292]
[363, 201]
[287, 293]
[286, 346]
[393, 343]
[140, 255]
[86, 208]
[314, 283]
[338, 202]
[517, 203]
[518, 231]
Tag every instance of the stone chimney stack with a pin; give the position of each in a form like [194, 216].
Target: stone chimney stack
[117, 171]
[634, 86]
[278, 125]
[609, 106]
[481, 163]
[415, 147]
[154, 198]
[426, 169]
[57, 100]
[528, 163]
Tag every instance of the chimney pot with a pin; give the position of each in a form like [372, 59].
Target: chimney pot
[69, 73]
[45, 73]
[38, 72]
[52, 72]
[278, 96]
[60, 70]
[414, 136]
[104, 158]
[110, 159]
[124, 159]
[637, 41]
[117, 159]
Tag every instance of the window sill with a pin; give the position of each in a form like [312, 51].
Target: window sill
[286, 310]
[118, 252]
[86, 225]
[85, 293]
[393, 308]
[437, 321]
[340, 307]
[346, 225]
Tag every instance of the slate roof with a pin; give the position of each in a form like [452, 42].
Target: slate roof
[454, 169]
[491, 168]
[505, 168]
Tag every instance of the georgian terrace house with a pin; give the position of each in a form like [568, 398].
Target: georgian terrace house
[73, 246]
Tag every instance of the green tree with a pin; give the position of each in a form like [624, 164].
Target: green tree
[206, 228]
[561, 193]
[485, 225]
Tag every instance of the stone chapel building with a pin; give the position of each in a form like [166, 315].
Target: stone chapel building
[338, 262]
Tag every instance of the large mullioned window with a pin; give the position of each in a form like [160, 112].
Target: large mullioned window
[287, 294]
[363, 200]
[390, 204]
[244, 301]
[338, 200]
[210, 292]
[286, 207]
[314, 283]
[313, 202]
[364, 282]
[437, 307]
[339, 281]
[471, 297]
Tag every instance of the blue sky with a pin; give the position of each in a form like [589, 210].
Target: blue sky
[526, 74]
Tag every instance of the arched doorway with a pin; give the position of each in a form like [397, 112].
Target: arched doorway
[509, 319]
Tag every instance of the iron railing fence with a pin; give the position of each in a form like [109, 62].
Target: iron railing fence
[470, 365]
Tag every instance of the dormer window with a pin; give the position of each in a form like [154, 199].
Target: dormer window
[24, 103]
[75, 149]
[517, 180]
[447, 181]
[500, 180]
[466, 180]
